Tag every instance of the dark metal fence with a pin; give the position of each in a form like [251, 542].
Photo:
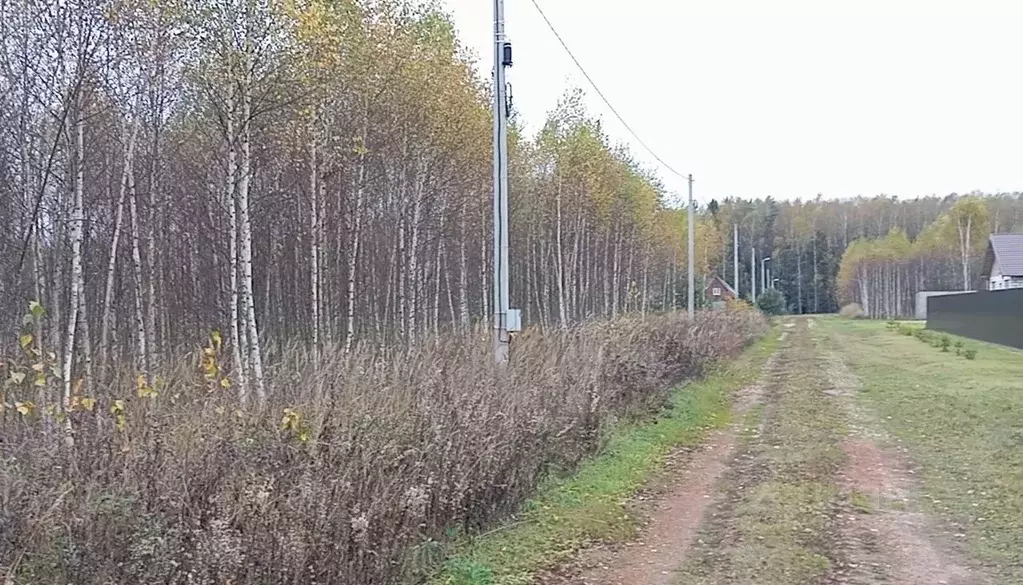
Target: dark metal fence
[995, 316]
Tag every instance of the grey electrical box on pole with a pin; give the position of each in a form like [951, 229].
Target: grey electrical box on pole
[502, 60]
[691, 301]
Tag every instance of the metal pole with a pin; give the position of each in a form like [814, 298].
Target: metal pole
[735, 257]
[691, 304]
[500, 191]
[763, 274]
[753, 275]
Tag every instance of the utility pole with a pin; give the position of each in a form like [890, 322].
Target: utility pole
[753, 275]
[502, 60]
[691, 304]
[735, 257]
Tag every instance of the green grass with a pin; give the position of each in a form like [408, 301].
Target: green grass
[962, 421]
[861, 502]
[592, 505]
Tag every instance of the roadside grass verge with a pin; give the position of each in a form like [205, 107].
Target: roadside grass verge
[592, 505]
[962, 421]
[772, 524]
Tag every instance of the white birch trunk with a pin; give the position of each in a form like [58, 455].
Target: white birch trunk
[463, 275]
[615, 284]
[255, 357]
[142, 358]
[108, 292]
[355, 227]
[414, 270]
[151, 252]
[76, 284]
[560, 257]
[964, 249]
[237, 349]
[314, 245]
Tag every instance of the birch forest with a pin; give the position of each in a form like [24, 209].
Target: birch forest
[302, 171]
[875, 251]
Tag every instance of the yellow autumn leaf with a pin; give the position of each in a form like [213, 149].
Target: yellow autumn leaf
[25, 340]
[25, 408]
[144, 389]
[225, 383]
[88, 403]
[17, 377]
[40, 379]
[217, 339]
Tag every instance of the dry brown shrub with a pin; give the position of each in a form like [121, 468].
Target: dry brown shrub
[400, 448]
[853, 311]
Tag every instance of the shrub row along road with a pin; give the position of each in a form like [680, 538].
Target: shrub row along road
[852, 461]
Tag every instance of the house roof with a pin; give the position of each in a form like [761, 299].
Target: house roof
[1008, 249]
[727, 286]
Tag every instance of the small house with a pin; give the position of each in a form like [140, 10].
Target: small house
[718, 291]
[1003, 262]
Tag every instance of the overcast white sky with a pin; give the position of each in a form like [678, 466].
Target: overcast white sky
[787, 98]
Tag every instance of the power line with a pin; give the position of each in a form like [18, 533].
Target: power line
[601, 94]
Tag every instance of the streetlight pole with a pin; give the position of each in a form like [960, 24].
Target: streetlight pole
[502, 60]
[753, 275]
[735, 257]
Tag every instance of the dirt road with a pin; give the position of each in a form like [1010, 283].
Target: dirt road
[803, 487]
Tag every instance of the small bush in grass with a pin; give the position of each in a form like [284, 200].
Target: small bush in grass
[907, 330]
[466, 572]
[959, 346]
[970, 354]
[852, 311]
[771, 302]
[927, 337]
[892, 324]
[944, 342]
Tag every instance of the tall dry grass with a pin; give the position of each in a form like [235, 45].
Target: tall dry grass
[375, 458]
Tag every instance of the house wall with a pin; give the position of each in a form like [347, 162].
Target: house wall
[725, 294]
[998, 281]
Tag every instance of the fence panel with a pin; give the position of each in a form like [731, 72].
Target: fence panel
[995, 316]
